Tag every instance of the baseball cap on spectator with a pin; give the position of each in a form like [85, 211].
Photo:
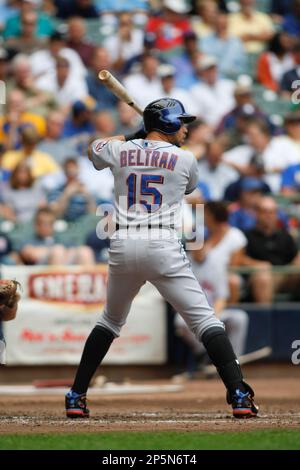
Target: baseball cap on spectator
[178, 6]
[243, 85]
[166, 70]
[250, 183]
[206, 62]
[87, 104]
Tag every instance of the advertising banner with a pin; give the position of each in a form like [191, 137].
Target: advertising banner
[60, 306]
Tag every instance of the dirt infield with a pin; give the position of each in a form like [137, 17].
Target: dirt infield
[199, 407]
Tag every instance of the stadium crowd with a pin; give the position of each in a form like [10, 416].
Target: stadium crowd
[235, 65]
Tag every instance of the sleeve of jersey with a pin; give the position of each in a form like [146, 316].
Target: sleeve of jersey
[103, 153]
[194, 176]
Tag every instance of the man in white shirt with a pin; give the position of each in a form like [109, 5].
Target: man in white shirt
[43, 62]
[167, 72]
[213, 96]
[265, 156]
[145, 86]
[66, 87]
[214, 172]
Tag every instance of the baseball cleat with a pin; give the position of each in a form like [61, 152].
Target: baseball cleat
[243, 406]
[76, 405]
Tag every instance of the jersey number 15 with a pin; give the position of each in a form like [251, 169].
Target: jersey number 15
[145, 190]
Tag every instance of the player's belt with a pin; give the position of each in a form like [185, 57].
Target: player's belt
[126, 227]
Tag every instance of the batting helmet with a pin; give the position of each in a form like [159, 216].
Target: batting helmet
[165, 115]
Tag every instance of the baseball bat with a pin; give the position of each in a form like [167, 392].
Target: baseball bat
[244, 359]
[118, 89]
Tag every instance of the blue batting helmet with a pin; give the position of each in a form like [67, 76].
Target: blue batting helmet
[165, 115]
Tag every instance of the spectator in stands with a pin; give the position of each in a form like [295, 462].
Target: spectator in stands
[290, 183]
[36, 101]
[80, 125]
[22, 196]
[44, 62]
[275, 62]
[128, 120]
[26, 40]
[101, 60]
[104, 124]
[291, 20]
[234, 124]
[224, 244]
[170, 26]
[126, 43]
[44, 26]
[199, 135]
[82, 8]
[253, 27]
[265, 157]
[166, 73]
[15, 118]
[213, 96]
[214, 172]
[76, 40]
[205, 22]
[100, 246]
[65, 87]
[290, 80]
[145, 86]
[269, 246]
[280, 8]
[228, 50]
[243, 213]
[53, 143]
[40, 164]
[7, 10]
[185, 61]
[72, 199]
[80, 121]
[45, 248]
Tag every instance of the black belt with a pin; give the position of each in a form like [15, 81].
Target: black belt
[126, 227]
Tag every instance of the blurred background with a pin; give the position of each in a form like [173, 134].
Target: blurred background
[236, 66]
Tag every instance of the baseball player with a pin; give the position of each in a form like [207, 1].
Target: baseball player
[152, 174]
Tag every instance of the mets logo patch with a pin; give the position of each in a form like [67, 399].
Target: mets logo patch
[100, 145]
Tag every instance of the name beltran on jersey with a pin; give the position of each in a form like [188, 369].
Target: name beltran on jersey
[149, 157]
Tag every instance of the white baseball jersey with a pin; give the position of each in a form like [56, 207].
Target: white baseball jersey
[151, 178]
